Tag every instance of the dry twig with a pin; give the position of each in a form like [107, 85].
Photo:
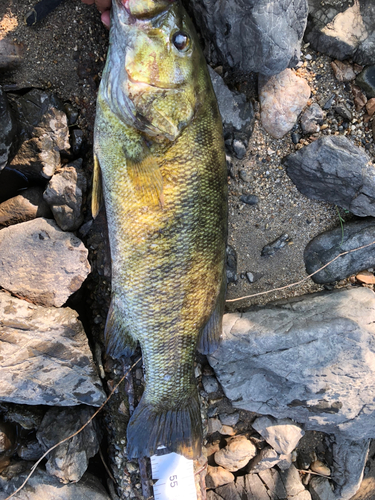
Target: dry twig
[304, 279]
[75, 433]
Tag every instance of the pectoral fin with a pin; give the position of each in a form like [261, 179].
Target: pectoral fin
[97, 193]
[147, 180]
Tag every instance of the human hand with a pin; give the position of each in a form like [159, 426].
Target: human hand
[103, 7]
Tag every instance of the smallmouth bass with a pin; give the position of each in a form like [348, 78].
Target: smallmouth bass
[159, 146]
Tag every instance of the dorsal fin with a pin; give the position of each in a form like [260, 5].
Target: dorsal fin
[97, 192]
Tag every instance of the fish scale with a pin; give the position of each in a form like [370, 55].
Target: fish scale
[163, 172]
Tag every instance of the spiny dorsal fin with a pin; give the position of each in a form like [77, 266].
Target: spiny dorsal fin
[147, 180]
[97, 194]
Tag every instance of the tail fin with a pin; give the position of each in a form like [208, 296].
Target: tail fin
[179, 429]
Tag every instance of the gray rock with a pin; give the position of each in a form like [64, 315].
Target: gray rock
[283, 435]
[320, 489]
[210, 384]
[349, 458]
[28, 205]
[236, 112]
[366, 79]
[32, 450]
[45, 357]
[229, 418]
[254, 36]
[28, 417]
[42, 263]
[311, 119]
[44, 134]
[211, 495]
[252, 487]
[282, 98]
[272, 248]
[293, 485]
[239, 149]
[64, 194]
[237, 453]
[8, 128]
[327, 246]
[332, 169]
[280, 360]
[266, 459]
[343, 29]
[42, 486]
[229, 492]
[273, 483]
[69, 461]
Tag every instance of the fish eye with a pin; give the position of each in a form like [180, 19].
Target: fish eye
[181, 40]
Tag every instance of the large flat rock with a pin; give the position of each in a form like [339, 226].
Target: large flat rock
[41, 263]
[311, 359]
[45, 358]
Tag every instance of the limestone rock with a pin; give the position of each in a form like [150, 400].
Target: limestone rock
[42, 486]
[328, 245]
[253, 36]
[283, 435]
[64, 194]
[332, 169]
[320, 489]
[307, 359]
[282, 98]
[349, 458]
[28, 205]
[218, 476]
[42, 263]
[266, 458]
[8, 129]
[343, 30]
[44, 134]
[293, 485]
[69, 461]
[271, 479]
[237, 453]
[45, 357]
[236, 112]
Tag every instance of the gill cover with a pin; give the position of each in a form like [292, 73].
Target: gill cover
[151, 82]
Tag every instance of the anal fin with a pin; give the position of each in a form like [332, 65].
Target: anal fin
[119, 341]
[209, 339]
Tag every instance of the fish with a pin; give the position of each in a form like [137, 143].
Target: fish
[160, 165]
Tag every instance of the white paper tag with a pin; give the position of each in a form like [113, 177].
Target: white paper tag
[175, 475]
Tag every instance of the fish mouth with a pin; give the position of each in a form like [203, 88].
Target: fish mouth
[159, 86]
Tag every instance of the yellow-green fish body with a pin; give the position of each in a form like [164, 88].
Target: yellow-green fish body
[158, 140]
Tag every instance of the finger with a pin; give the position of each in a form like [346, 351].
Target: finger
[103, 5]
[106, 19]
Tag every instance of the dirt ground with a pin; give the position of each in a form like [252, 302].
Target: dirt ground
[66, 52]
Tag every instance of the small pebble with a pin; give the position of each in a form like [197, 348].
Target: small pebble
[239, 149]
[249, 199]
[210, 384]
